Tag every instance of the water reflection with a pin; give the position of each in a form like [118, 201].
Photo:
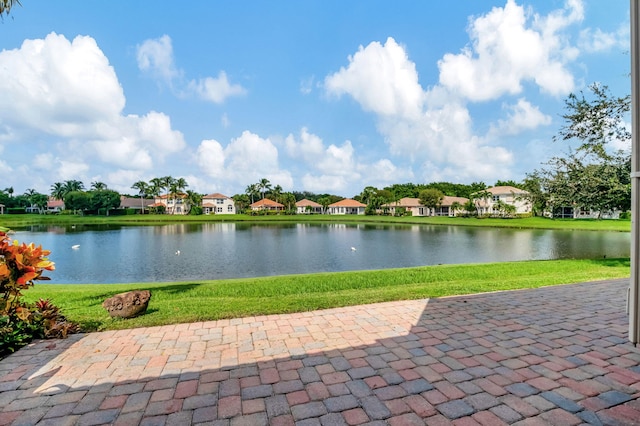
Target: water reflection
[224, 250]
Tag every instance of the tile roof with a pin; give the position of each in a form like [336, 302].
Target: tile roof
[348, 202]
[307, 203]
[215, 195]
[266, 203]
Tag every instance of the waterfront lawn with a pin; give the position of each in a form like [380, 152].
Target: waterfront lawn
[185, 302]
[21, 221]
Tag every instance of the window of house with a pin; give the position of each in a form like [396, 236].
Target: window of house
[219, 201]
[229, 208]
[219, 210]
[496, 198]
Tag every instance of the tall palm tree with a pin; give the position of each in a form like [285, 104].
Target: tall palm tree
[276, 192]
[143, 190]
[98, 186]
[73, 185]
[58, 191]
[252, 190]
[167, 181]
[264, 185]
[9, 191]
[176, 189]
[156, 186]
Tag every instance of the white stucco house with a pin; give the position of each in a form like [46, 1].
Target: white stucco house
[218, 204]
[414, 206]
[509, 195]
[308, 207]
[347, 206]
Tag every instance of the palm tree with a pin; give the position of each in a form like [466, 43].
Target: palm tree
[264, 185]
[73, 185]
[9, 191]
[156, 186]
[324, 202]
[98, 186]
[167, 181]
[6, 5]
[193, 200]
[58, 191]
[276, 192]
[176, 188]
[252, 190]
[480, 196]
[143, 190]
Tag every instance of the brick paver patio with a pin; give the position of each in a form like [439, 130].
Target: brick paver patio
[556, 355]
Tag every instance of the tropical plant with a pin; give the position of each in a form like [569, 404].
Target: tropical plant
[6, 5]
[144, 190]
[264, 185]
[58, 191]
[480, 199]
[98, 186]
[176, 189]
[241, 202]
[20, 266]
[252, 191]
[193, 202]
[73, 185]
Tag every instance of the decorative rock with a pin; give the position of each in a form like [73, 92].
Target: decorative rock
[127, 305]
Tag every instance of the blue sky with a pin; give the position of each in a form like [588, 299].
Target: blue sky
[319, 95]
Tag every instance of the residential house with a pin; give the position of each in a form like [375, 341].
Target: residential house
[519, 198]
[583, 213]
[347, 206]
[135, 203]
[218, 204]
[414, 206]
[173, 204]
[267, 204]
[307, 207]
[54, 205]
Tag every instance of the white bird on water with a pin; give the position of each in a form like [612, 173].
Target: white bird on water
[75, 246]
[353, 249]
[178, 253]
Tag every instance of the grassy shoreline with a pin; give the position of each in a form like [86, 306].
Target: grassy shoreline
[21, 221]
[184, 302]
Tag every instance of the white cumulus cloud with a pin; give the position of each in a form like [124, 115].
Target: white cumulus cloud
[508, 47]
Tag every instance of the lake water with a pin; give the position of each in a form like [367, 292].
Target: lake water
[108, 254]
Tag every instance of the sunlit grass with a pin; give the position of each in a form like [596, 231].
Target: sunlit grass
[191, 301]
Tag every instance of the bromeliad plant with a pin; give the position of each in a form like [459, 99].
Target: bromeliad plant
[20, 266]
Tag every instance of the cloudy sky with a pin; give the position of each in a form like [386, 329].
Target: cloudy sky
[319, 95]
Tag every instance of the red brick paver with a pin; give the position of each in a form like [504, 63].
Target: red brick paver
[555, 355]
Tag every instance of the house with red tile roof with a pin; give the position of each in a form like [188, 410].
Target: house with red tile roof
[217, 203]
[173, 204]
[267, 204]
[307, 207]
[54, 206]
[347, 206]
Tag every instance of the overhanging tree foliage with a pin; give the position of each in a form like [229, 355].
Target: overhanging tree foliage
[594, 176]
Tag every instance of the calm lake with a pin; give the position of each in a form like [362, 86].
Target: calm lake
[182, 252]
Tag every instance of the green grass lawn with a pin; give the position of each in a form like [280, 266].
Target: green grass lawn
[183, 302]
[16, 221]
